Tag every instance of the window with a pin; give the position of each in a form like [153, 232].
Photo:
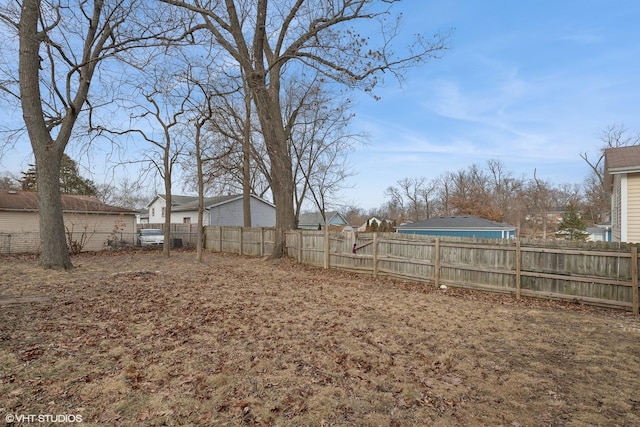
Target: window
[186, 220]
[153, 211]
[162, 212]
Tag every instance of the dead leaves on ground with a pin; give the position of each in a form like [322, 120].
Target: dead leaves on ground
[148, 340]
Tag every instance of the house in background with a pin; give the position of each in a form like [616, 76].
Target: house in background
[156, 209]
[314, 221]
[219, 211]
[459, 226]
[599, 233]
[228, 211]
[622, 181]
[85, 217]
[142, 217]
[371, 221]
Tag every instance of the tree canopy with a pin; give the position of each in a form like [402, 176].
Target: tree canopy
[60, 79]
[572, 224]
[71, 182]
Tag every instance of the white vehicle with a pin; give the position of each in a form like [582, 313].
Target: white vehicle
[151, 237]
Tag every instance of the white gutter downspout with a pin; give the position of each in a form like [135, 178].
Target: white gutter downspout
[623, 208]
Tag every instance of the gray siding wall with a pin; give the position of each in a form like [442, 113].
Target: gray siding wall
[230, 214]
[262, 214]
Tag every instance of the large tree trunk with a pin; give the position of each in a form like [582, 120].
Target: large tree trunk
[283, 198]
[246, 163]
[282, 185]
[267, 101]
[166, 247]
[48, 153]
[200, 234]
[54, 252]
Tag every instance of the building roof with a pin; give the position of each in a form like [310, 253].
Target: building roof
[457, 222]
[595, 230]
[175, 199]
[27, 201]
[190, 203]
[621, 160]
[623, 157]
[315, 218]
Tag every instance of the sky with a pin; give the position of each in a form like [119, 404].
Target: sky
[530, 83]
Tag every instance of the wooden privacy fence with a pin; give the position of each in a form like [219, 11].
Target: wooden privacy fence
[601, 275]
[243, 241]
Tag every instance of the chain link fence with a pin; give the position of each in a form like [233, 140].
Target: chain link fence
[29, 242]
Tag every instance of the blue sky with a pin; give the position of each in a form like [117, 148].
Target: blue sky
[532, 84]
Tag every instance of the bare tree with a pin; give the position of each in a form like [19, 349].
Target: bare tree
[9, 181]
[540, 196]
[166, 94]
[327, 172]
[413, 196]
[203, 113]
[59, 53]
[234, 145]
[318, 122]
[124, 193]
[202, 118]
[444, 189]
[395, 206]
[493, 194]
[413, 189]
[506, 193]
[472, 195]
[267, 42]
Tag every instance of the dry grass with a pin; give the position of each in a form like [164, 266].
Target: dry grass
[137, 339]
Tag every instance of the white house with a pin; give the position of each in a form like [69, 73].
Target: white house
[622, 180]
[219, 210]
[156, 210]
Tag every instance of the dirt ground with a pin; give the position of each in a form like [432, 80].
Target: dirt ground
[137, 339]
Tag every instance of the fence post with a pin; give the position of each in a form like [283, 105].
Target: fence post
[326, 247]
[375, 255]
[240, 251]
[436, 264]
[261, 241]
[219, 238]
[634, 278]
[518, 268]
[300, 246]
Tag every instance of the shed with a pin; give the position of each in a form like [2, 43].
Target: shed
[459, 226]
[87, 220]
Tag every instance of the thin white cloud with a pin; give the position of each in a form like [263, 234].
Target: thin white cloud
[582, 35]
